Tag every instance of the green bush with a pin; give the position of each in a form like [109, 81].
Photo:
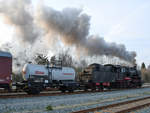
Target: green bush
[49, 108]
[17, 77]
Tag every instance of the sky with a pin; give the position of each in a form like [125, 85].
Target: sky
[126, 22]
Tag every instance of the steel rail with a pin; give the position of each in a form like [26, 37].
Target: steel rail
[115, 105]
[56, 93]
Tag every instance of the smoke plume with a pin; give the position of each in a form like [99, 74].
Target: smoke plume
[16, 14]
[24, 54]
[70, 26]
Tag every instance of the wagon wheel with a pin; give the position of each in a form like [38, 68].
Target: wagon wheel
[33, 91]
[63, 90]
[71, 90]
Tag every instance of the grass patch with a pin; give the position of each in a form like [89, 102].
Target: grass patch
[62, 105]
[146, 93]
[49, 108]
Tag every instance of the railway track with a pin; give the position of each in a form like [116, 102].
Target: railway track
[121, 107]
[55, 93]
[49, 93]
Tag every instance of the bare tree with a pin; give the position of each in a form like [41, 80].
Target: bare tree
[148, 67]
[52, 60]
[145, 73]
[41, 59]
[143, 66]
[66, 58]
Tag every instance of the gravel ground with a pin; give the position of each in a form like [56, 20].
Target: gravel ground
[143, 110]
[68, 103]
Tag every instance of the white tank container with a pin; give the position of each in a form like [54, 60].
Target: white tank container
[66, 73]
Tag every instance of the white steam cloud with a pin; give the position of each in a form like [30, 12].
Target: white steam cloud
[70, 26]
[16, 14]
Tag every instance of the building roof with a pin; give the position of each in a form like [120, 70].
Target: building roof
[5, 54]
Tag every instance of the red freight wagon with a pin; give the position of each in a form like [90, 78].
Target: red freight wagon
[5, 69]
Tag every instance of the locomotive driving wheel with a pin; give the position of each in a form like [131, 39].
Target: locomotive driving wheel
[33, 91]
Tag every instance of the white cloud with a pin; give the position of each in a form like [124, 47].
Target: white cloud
[6, 32]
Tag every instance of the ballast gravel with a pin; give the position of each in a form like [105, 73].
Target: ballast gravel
[68, 103]
[143, 110]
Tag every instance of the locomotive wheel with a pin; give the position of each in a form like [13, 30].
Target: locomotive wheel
[63, 91]
[140, 85]
[93, 89]
[71, 91]
[109, 88]
[85, 88]
[33, 91]
[36, 92]
[101, 88]
[8, 89]
[28, 92]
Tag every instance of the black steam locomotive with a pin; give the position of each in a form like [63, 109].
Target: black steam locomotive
[97, 76]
